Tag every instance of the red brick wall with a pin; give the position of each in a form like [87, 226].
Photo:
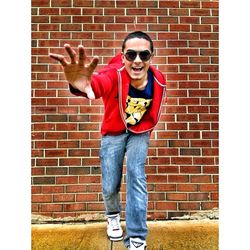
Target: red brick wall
[182, 167]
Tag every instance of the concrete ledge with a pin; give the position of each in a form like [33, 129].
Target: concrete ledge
[163, 235]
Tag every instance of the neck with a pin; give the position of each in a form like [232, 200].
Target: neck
[140, 84]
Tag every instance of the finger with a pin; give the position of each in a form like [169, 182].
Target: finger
[59, 58]
[82, 55]
[71, 52]
[93, 63]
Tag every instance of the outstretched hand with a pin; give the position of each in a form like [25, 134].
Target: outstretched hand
[78, 73]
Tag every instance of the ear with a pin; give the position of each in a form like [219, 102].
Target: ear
[123, 57]
[152, 56]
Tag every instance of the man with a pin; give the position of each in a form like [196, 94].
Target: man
[133, 92]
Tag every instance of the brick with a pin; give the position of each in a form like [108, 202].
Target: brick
[209, 187]
[74, 207]
[37, 171]
[177, 126]
[200, 179]
[188, 151]
[189, 101]
[86, 197]
[89, 179]
[210, 169]
[200, 59]
[187, 117]
[66, 180]
[55, 153]
[178, 143]
[40, 3]
[43, 180]
[51, 207]
[125, 4]
[82, 19]
[189, 20]
[66, 126]
[189, 206]
[159, 161]
[158, 27]
[166, 205]
[40, 19]
[63, 197]
[178, 178]
[180, 27]
[189, 36]
[187, 187]
[80, 3]
[214, 196]
[189, 51]
[177, 60]
[56, 171]
[176, 196]
[46, 162]
[177, 44]
[199, 126]
[104, 3]
[189, 68]
[69, 162]
[209, 4]
[200, 12]
[144, 4]
[197, 109]
[165, 187]
[210, 152]
[61, 3]
[156, 196]
[79, 170]
[169, 4]
[72, 27]
[52, 189]
[55, 135]
[76, 188]
[198, 196]
[95, 206]
[114, 11]
[157, 178]
[209, 205]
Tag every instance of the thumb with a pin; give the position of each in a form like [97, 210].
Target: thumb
[90, 93]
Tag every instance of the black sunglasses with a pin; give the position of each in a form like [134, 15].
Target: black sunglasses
[132, 54]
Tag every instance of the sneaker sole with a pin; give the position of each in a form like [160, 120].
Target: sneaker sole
[115, 238]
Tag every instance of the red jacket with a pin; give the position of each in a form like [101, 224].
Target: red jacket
[112, 84]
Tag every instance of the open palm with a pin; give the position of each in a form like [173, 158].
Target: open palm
[78, 73]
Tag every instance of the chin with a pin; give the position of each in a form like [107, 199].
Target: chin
[137, 76]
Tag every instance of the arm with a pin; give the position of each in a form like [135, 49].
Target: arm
[78, 73]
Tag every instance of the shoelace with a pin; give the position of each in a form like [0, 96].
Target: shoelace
[114, 223]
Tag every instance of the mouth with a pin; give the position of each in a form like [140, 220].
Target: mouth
[137, 69]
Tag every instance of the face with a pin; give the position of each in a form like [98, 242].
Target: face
[137, 69]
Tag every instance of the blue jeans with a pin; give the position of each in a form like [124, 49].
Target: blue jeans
[112, 153]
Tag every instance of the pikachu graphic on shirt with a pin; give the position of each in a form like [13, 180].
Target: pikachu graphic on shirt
[135, 109]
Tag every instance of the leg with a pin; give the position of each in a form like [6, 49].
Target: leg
[112, 155]
[137, 197]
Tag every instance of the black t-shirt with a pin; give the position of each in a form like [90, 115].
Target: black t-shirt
[138, 101]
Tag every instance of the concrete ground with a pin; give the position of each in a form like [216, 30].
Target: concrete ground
[163, 235]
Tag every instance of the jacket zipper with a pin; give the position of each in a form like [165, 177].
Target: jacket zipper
[121, 108]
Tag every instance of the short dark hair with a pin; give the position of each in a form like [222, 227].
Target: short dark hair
[138, 34]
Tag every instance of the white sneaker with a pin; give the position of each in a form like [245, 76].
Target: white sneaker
[137, 244]
[114, 229]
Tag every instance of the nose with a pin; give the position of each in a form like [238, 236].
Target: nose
[137, 59]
